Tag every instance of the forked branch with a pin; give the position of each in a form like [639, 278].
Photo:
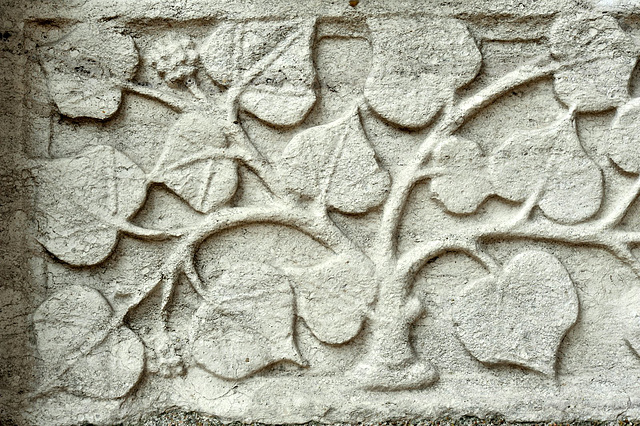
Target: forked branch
[593, 234]
[453, 118]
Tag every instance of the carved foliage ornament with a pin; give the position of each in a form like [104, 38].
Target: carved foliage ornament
[248, 311]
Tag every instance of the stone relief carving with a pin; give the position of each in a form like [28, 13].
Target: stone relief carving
[233, 87]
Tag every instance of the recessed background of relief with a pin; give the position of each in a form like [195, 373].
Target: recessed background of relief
[335, 211]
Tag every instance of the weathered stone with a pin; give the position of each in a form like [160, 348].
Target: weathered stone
[279, 211]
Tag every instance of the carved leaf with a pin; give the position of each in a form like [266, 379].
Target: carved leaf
[521, 316]
[333, 297]
[418, 63]
[624, 137]
[553, 159]
[462, 183]
[269, 62]
[75, 320]
[599, 58]
[195, 165]
[246, 322]
[82, 202]
[86, 69]
[336, 165]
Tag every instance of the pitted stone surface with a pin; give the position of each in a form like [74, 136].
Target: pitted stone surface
[283, 212]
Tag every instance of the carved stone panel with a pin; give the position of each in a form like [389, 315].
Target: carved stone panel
[342, 211]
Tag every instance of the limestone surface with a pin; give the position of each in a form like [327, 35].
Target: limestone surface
[336, 211]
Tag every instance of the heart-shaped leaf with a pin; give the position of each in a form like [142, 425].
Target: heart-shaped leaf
[82, 202]
[418, 63]
[194, 163]
[86, 69]
[521, 316]
[462, 183]
[246, 322]
[335, 165]
[269, 63]
[333, 297]
[598, 58]
[624, 137]
[550, 159]
[87, 355]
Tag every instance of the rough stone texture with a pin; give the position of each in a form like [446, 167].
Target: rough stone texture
[320, 211]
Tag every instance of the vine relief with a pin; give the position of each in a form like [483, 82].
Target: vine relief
[242, 99]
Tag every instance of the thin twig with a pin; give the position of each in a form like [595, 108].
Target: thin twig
[249, 155]
[529, 204]
[617, 242]
[412, 261]
[147, 234]
[240, 84]
[172, 100]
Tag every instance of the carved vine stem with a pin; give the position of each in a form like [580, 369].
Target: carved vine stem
[391, 352]
[595, 234]
[600, 233]
[181, 261]
[173, 100]
[453, 118]
[391, 362]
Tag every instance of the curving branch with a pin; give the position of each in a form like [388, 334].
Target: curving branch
[317, 227]
[593, 234]
[283, 214]
[541, 67]
[415, 259]
[600, 233]
[145, 233]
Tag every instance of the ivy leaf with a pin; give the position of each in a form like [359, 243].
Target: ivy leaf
[86, 69]
[598, 58]
[269, 63]
[82, 203]
[550, 159]
[463, 183]
[333, 297]
[89, 357]
[194, 163]
[418, 64]
[520, 316]
[624, 137]
[336, 165]
[246, 322]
